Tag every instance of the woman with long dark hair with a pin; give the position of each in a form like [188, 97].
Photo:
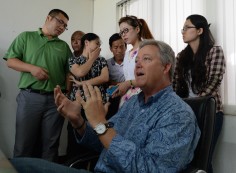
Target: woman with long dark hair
[200, 66]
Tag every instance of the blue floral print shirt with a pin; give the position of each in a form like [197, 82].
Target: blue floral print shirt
[159, 136]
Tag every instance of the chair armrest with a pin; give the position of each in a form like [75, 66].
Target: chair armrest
[80, 161]
[85, 161]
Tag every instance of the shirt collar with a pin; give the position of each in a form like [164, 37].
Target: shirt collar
[113, 62]
[155, 96]
[40, 32]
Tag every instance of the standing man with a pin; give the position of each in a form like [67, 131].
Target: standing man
[115, 66]
[42, 59]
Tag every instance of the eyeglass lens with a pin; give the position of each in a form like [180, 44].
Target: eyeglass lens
[61, 23]
[126, 30]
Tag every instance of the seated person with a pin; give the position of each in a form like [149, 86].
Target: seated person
[154, 131]
[115, 67]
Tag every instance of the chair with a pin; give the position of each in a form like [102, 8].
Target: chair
[85, 161]
[205, 110]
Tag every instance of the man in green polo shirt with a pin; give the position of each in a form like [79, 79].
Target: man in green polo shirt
[42, 59]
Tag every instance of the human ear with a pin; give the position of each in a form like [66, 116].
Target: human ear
[200, 31]
[137, 29]
[86, 42]
[167, 68]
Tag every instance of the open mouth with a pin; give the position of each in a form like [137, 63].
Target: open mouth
[139, 74]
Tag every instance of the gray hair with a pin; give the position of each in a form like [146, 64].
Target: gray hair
[166, 53]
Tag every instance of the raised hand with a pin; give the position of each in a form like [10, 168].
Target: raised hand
[95, 53]
[122, 89]
[93, 106]
[67, 108]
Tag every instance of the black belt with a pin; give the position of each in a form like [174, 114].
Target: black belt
[42, 92]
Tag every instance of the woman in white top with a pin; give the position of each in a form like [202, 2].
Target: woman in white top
[132, 31]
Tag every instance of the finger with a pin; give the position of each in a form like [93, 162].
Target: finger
[86, 90]
[45, 70]
[115, 94]
[98, 49]
[116, 91]
[98, 93]
[78, 97]
[57, 91]
[92, 92]
[77, 82]
[44, 74]
[106, 106]
[59, 108]
[58, 99]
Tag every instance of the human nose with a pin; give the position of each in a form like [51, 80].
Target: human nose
[76, 42]
[62, 28]
[138, 62]
[119, 50]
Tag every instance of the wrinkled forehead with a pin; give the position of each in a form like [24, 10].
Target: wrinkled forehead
[77, 36]
[151, 50]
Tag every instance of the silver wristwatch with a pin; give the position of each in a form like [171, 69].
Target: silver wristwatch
[101, 128]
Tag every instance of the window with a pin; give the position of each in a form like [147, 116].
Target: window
[166, 17]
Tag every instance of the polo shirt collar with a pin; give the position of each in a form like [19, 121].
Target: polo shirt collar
[41, 34]
[113, 62]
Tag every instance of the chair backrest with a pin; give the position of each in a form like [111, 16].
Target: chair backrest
[205, 111]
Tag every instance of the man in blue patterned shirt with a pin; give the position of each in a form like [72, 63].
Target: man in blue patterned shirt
[154, 132]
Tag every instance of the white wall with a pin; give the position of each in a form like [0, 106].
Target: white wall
[105, 23]
[17, 16]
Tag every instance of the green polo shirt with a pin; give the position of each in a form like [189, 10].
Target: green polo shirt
[35, 48]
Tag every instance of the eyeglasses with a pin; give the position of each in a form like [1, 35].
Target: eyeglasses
[61, 22]
[125, 31]
[185, 28]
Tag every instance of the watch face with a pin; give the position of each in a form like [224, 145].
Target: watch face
[100, 128]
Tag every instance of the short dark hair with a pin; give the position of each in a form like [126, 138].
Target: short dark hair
[115, 37]
[55, 12]
[89, 37]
